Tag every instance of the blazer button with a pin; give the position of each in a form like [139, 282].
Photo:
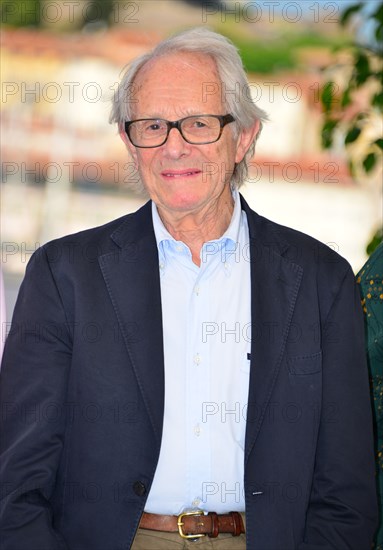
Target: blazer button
[139, 488]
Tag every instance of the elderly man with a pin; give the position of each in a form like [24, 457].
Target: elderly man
[191, 375]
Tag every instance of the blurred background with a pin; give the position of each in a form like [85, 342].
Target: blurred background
[314, 66]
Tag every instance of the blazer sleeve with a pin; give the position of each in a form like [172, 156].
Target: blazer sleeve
[34, 377]
[342, 511]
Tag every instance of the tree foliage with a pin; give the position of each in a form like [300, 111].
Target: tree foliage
[364, 75]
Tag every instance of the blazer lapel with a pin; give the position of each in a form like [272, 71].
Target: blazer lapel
[132, 278]
[275, 282]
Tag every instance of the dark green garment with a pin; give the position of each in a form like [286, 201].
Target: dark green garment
[370, 279]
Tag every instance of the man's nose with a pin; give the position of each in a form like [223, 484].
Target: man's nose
[175, 145]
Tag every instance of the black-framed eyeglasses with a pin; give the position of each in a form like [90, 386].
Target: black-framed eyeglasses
[196, 129]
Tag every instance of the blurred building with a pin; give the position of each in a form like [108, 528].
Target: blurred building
[57, 145]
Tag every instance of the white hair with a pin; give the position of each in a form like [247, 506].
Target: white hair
[236, 93]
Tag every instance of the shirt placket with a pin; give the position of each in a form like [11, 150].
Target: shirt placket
[198, 391]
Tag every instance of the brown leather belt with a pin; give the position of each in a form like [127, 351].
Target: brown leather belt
[195, 524]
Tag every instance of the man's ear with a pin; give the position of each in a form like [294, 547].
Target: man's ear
[245, 139]
[125, 139]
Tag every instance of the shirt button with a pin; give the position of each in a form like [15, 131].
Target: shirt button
[162, 265]
[196, 502]
[196, 290]
[226, 265]
[139, 488]
[197, 359]
[179, 247]
[197, 430]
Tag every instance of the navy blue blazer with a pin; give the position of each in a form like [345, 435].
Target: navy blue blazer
[83, 394]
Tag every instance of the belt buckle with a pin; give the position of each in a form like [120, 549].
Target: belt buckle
[180, 524]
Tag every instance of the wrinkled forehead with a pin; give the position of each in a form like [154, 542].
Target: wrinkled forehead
[176, 64]
[179, 76]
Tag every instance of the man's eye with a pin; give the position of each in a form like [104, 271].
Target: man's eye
[200, 124]
[152, 127]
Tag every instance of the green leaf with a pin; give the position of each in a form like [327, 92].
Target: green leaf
[352, 135]
[369, 162]
[379, 33]
[346, 98]
[361, 116]
[379, 143]
[377, 100]
[375, 241]
[327, 133]
[362, 68]
[378, 15]
[351, 167]
[349, 12]
[327, 96]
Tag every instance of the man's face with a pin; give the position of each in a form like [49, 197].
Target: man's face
[178, 176]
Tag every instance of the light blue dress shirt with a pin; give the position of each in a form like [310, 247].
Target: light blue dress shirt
[207, 336]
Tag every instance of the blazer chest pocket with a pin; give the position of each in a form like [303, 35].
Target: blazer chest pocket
[304, 365]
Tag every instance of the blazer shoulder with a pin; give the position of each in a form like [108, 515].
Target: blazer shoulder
[106, 236]
[76, 250]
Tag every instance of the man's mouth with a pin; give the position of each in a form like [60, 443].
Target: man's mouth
[180, 173]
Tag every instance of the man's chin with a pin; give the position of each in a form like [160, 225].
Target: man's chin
[183, 203]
